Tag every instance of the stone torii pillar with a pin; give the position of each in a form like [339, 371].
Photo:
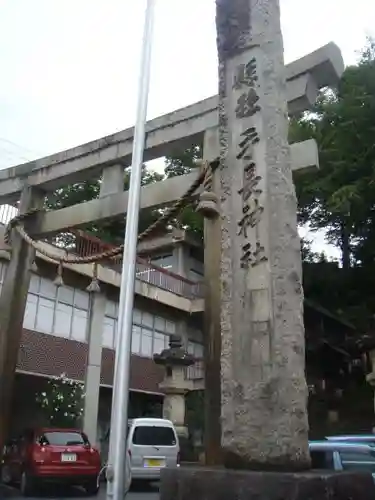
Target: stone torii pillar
[263, 387]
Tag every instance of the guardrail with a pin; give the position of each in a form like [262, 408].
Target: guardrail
[195, 371]
[86, 244]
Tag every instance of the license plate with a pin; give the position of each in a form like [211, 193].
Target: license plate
[68, 457]
[154, 463]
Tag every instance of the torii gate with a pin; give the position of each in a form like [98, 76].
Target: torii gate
[28, 184]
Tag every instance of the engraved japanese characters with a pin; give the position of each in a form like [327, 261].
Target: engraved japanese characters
[245, 82]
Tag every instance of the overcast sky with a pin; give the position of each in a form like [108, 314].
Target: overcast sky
[69, 67]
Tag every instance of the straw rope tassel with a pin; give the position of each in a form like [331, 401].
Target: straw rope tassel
[94, 286]
[58, 281]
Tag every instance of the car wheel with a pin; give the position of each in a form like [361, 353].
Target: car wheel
[92, 488]
[27, 487]
[6, 476]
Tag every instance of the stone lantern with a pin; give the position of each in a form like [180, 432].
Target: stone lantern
[175, 359]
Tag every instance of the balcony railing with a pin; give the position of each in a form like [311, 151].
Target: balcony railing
[145, 271]
[83, 244]
[195, 371]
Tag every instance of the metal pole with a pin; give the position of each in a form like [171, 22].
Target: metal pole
[119, 420]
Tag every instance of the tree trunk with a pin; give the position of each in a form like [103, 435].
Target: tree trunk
[345, 246]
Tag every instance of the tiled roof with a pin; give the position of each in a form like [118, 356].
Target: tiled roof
[50, 355]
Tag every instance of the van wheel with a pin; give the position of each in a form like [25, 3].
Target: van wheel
[92, 488]
[27, 486]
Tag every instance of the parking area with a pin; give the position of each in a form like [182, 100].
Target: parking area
[150, 493]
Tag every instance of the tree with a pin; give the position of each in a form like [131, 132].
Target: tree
[112, 231]
[340, 198]
[181, 163]
[62, 401]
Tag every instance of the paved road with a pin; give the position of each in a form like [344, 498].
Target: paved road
[149, 494]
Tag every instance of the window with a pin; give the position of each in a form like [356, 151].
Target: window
[154, 436]
[147, 319]
[47, 288]
[198, 351]
[34, 284]
[63, 320]
[159, 324]
[110, 309]
[30, 311]
[136, 339]
[195, 349]
[81, 299]
[137, 316]
[65, 438]
[321, 459]
[44, 317]
[65, 294]
[170, 327]
[108, 332]
[159, 342]
[63, 311]
[165, 261]
[195, 335]
[79, 324]
[358, 460]
[146, 343]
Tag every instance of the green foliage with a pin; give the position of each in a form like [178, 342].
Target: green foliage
[340, 198]
[62, 401]
[112, 231]
[181, 163]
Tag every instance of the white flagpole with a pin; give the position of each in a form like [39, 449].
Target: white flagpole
[116, 472]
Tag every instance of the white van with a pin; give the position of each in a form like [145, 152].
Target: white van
[152, 445]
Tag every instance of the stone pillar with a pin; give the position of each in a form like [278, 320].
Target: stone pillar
[263, 387]
[179, 256]
[93, 366]
[12, 308]
[175, 359]
[211, 330]
[112, 182]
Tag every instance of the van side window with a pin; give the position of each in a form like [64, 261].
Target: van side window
[322, 459]
[358, 460]
[154, 436]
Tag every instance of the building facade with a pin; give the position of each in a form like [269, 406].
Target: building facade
[55, 335]
[168, 300]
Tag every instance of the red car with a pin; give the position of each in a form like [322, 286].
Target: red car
[51, 455]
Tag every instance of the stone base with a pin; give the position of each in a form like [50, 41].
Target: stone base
[187, 483]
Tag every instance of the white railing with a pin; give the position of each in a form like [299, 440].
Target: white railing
[84, 244]
[195, 371]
